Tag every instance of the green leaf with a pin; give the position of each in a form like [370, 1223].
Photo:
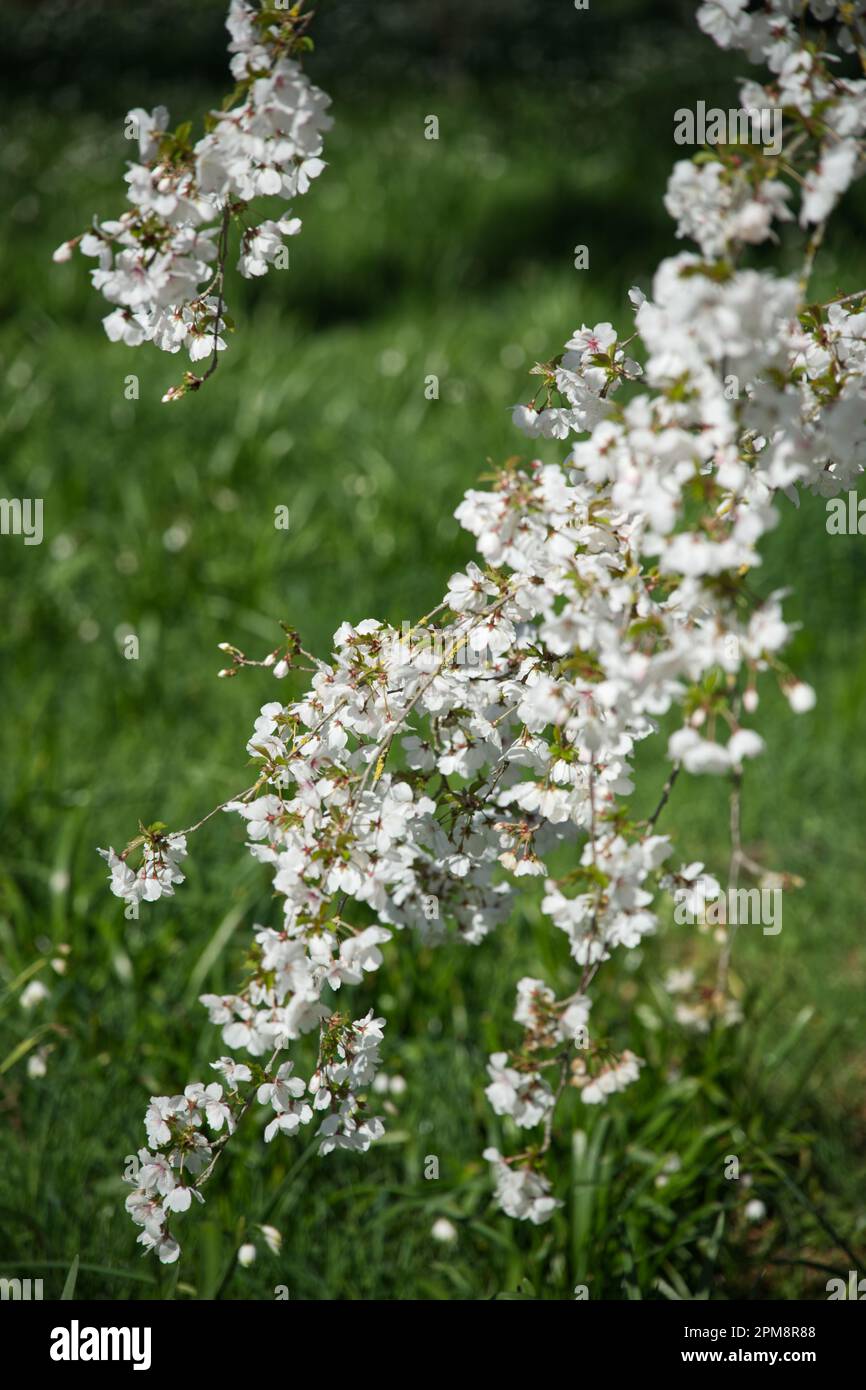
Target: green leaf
[24, 1047]
[71, 1279]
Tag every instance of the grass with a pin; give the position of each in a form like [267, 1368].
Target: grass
[453, 258]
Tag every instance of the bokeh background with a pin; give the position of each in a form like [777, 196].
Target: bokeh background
[452, 257]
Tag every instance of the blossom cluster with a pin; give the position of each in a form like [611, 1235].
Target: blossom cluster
[157, 873]
[162, 263]
[610, 591]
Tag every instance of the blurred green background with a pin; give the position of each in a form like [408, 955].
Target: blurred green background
[452, 257]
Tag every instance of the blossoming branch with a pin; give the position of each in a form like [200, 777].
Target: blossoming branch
[163, 261]
[424, 775]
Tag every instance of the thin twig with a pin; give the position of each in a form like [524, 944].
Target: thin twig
[733, 880]
[666, 791]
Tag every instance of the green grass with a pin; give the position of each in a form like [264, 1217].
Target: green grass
[416, 258]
